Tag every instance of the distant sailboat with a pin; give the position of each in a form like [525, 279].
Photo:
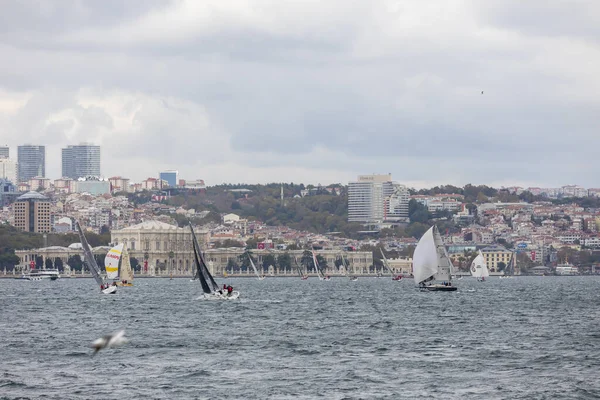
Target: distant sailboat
[385, 263]
[432, 268]
[345, 265]
[90, 261]
[118, 266]
[320, 274]
[126, 272]
[209, 286]
[479, 268]
[301, 272]
[260, 277]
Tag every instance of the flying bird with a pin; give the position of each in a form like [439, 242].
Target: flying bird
[482, 92]
[108, 341]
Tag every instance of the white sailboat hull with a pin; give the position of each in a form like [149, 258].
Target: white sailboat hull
[218, 296]
[110, 290]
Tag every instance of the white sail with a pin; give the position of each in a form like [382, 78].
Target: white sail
[126, 271]
[317, 265]
[385, 263]
[479, 267]
[444, 272]
[425, 260]
[111, 261]
[253, 266]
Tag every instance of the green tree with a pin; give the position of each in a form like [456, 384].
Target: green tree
[284, 261]
[268, 260]
[417, 212]
[244, 259]
[75, 262]
[232, 265]
[135, 264]
[307, 260]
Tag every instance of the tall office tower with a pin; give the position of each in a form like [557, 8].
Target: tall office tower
[170, 177]
[31, 161]
[32, 213]
[4, 152]
[8, 169]
[81, 161]
[376, 199]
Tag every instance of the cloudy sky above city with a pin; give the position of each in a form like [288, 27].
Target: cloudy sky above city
[309, 91]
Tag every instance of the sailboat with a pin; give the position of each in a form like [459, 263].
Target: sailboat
[479, 268]
[303, 275]
[385, 263]
[90, 261]
[432, 267]
[126, 272]
[318, 269]
[260, 277]
[345, 265]
[209, 286]
[122, 271]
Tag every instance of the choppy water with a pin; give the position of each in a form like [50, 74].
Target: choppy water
[521, 338]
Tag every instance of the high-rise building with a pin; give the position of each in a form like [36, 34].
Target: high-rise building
[170, 177]
[4, 152]
[31, 161]
[376, 199]
[81, 161]
[8, 169]
[32, 213]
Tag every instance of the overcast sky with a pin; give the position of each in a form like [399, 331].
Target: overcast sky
[313, 91]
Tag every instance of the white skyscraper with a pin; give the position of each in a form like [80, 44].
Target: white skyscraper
[8, 169]
[376, 199]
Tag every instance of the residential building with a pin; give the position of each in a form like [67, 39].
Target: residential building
[4, 152]
[31, 161]
[119, 184]
[38, 183]
[494, 255]
[81, 161]
[8, 169]
[65, 185]
[171, 177]
[377, 199]
[32, 213]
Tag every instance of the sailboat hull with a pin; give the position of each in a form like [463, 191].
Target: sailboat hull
[110, 290]
[218, 296]
[124, 284]
[439, 288]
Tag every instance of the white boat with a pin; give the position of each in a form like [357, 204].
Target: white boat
[41, 274]
[260, 277]
[90, 261]
[320, 274]
[479, 268]
[209, 286]
[432, 268]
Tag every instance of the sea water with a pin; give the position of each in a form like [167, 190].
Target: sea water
[520, 338]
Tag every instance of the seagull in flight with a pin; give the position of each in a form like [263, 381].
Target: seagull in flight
[108, 341]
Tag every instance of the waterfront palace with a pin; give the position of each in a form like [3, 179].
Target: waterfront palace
[167, 249]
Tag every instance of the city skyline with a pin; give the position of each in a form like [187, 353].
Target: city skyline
[498, 93]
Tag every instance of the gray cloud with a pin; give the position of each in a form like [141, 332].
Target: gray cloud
[313, 90]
